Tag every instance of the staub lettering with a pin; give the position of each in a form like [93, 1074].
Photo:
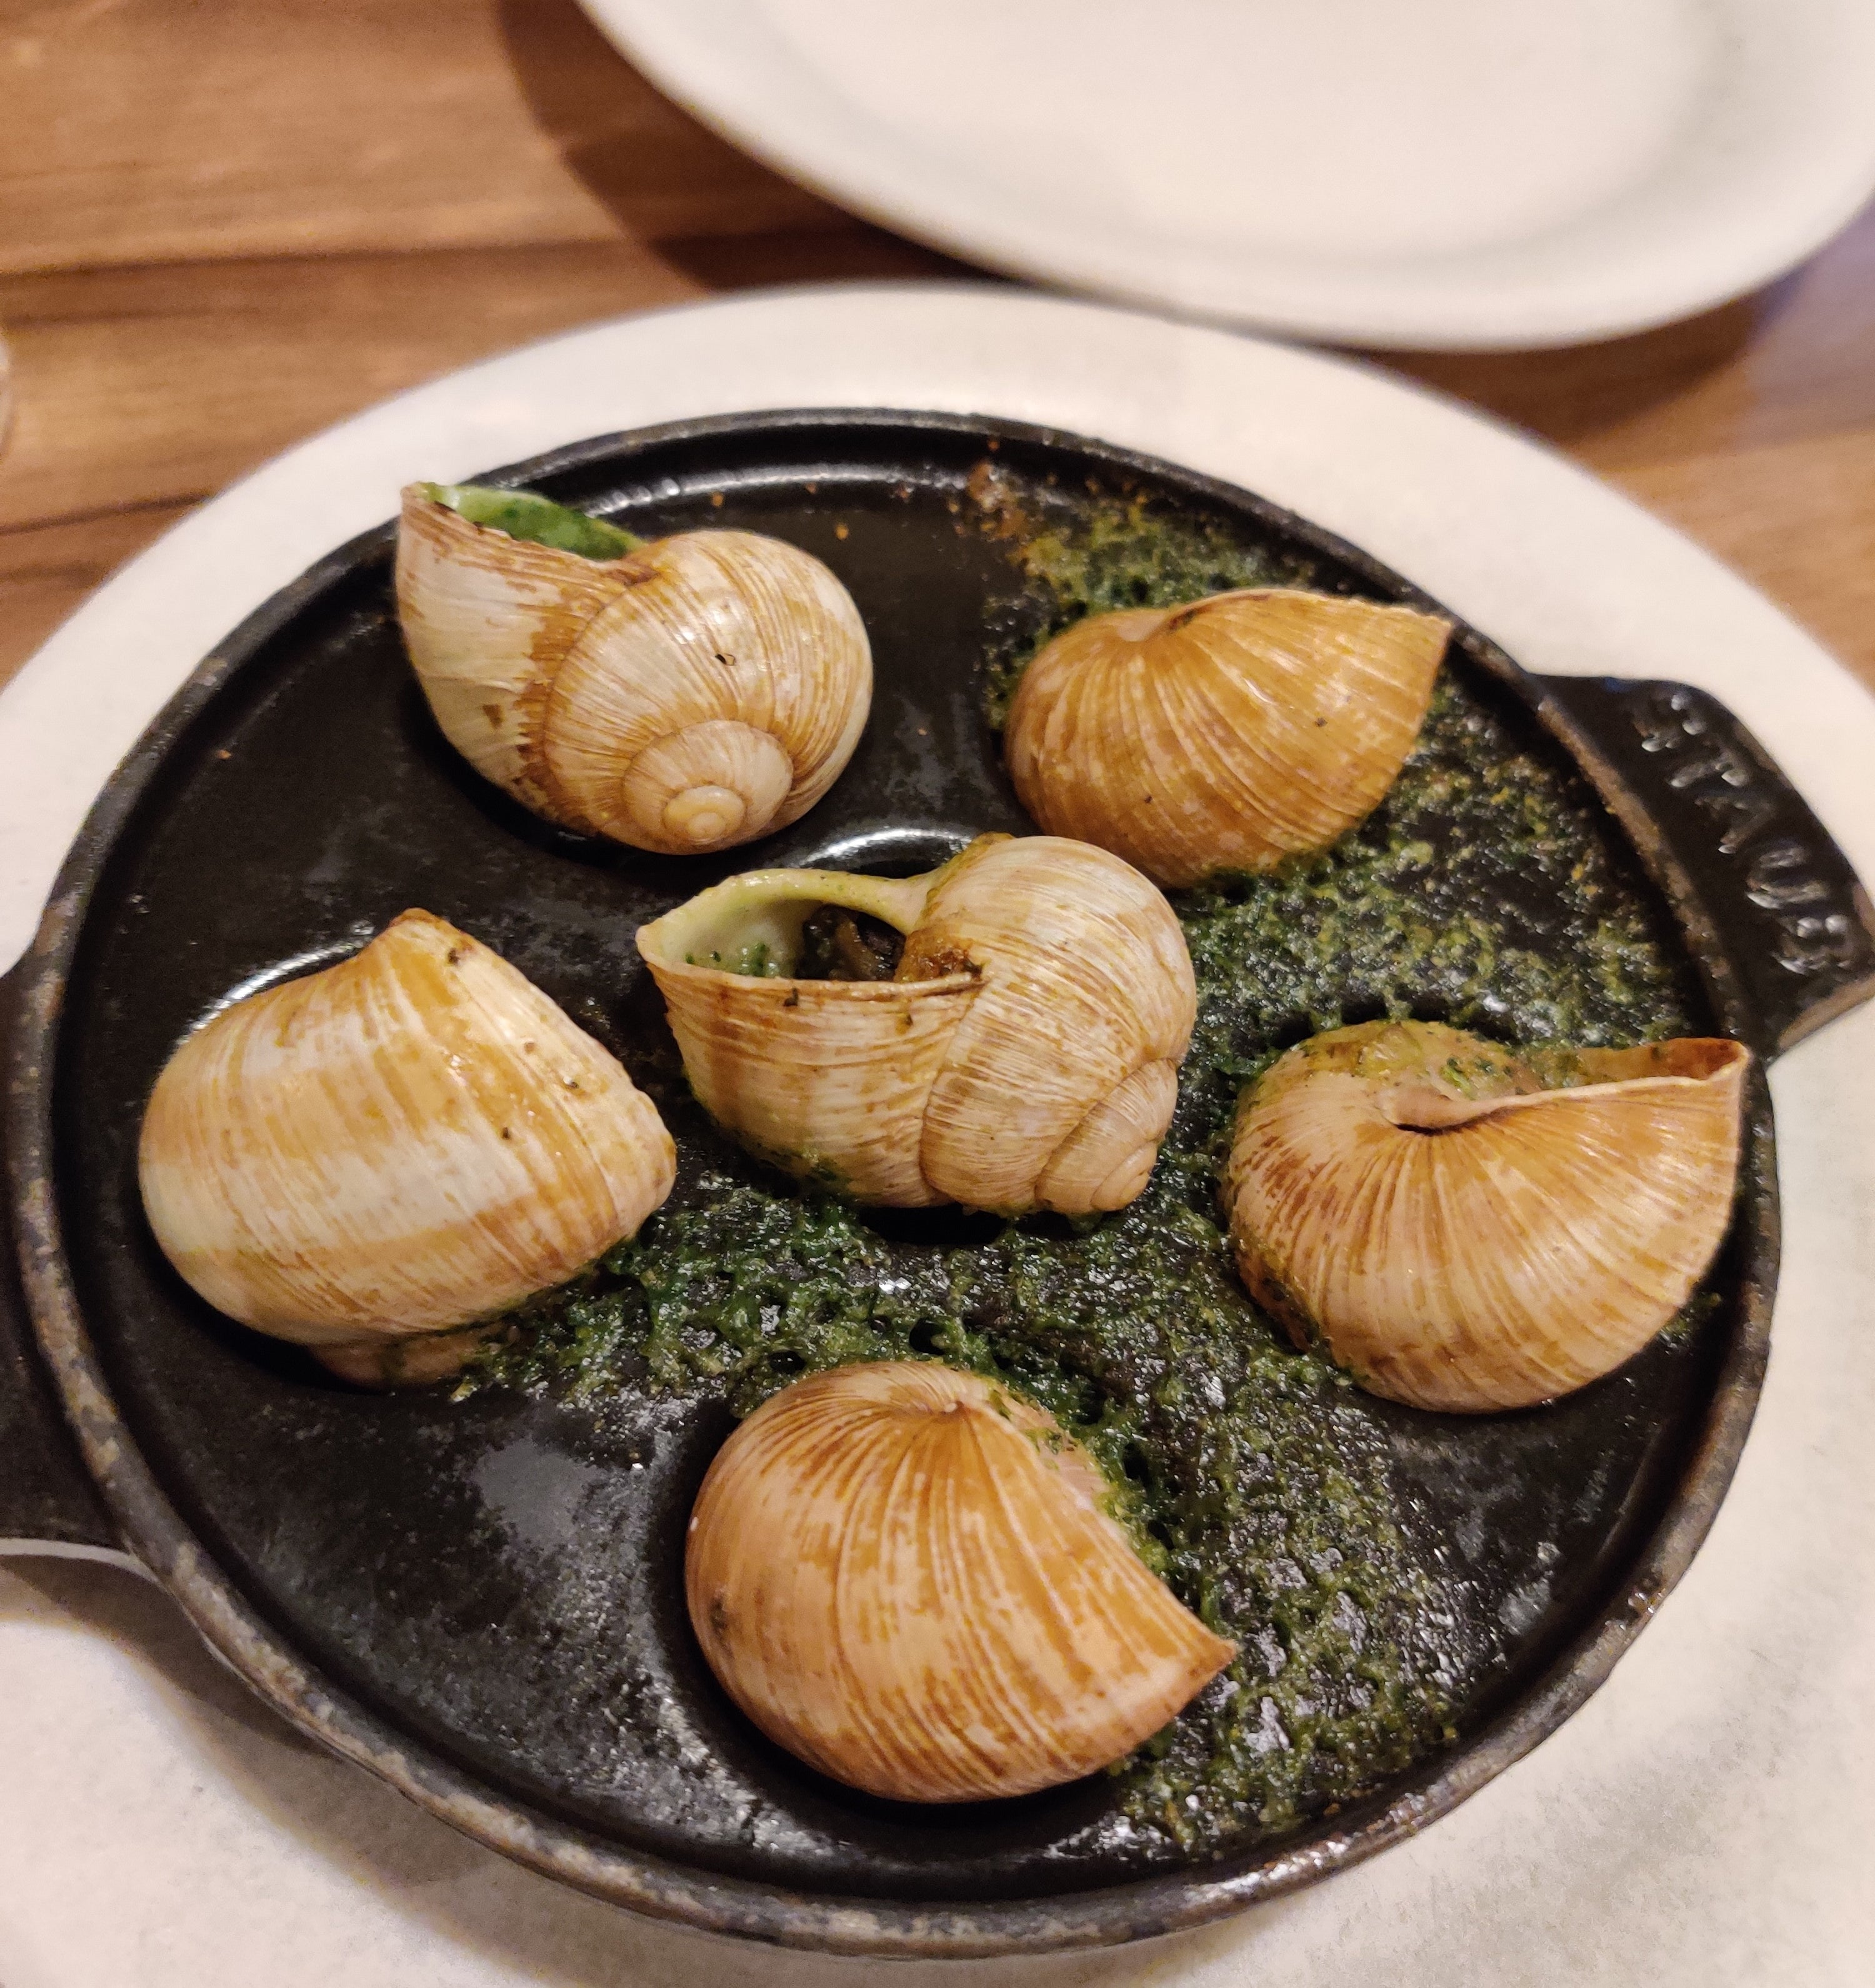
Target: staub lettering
[1819, 931]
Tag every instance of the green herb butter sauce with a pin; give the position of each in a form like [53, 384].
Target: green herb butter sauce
[538, 520]
[1253, 1477]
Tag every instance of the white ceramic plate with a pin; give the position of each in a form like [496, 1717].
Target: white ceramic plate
[1702, 1823]
[1450, 173]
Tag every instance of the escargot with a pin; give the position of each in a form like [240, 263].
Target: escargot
[682, 696]
[906, 1576]
[1225, 734]
[372, 1158]
[1023, 1053]
[1468, 1227]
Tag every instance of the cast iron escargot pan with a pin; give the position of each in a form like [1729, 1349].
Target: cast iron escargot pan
[479, 1598]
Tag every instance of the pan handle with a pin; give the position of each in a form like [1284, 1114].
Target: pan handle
[48, 1503]
[1783, 917]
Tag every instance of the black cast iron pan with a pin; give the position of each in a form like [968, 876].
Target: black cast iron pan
[481, 1600]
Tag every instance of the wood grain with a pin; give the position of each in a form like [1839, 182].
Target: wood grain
[140, 391]
[230, 222]
[142, 385]
[1752, 428]
[1796, 518]
[47, 570]
[1794, 359]
[157, 130]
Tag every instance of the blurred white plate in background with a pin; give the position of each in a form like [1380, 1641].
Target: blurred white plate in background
[1451, 173]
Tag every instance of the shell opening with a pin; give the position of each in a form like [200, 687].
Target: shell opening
[1419, 1103]
[1421, 1107]
[526, 516]
[770, 923]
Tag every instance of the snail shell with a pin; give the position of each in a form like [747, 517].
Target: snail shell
[1025, 1055]
[1462, 1233]
[412, 1140]
[692, 693]
[906, 1577]
[1223, 735]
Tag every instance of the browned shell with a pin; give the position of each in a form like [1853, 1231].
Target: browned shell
[406, 1142]
[1469, 1228]
[1025, 1055]
[1223, 735]
[904, 1575]
[695, 694]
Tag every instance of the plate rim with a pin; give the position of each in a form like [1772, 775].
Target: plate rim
[750, 1908]
[832, 162]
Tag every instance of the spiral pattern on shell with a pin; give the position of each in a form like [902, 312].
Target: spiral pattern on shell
[411, 1140]
[905, 1576]
[1470, 1228]
[702, 691]
[1223, 734]
[1025, 1055]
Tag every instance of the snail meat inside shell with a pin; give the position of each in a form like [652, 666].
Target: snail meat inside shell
[1024, 1053]
[374, 1159]
[1471, 1228]
[906, 1576]
[1225, 734]
[682, 696]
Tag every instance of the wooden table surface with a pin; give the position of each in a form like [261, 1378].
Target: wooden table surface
[225, 224]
